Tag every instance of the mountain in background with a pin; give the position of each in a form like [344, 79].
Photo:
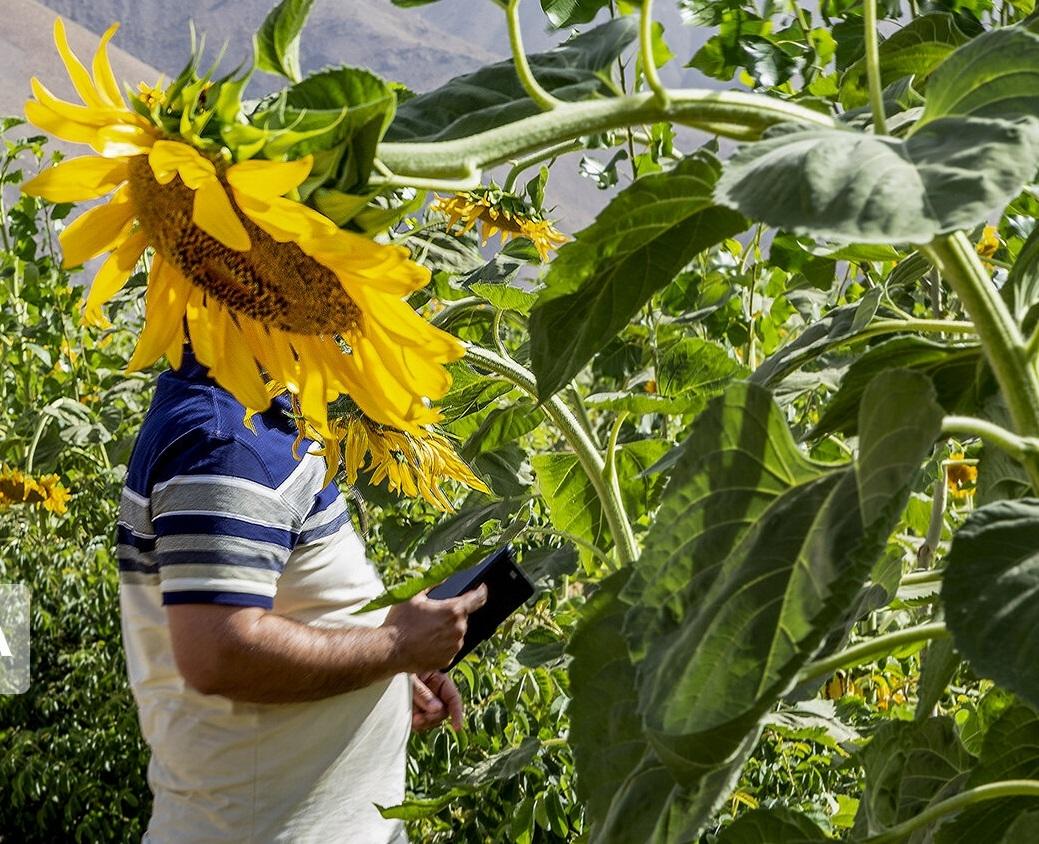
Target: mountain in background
[422, 48]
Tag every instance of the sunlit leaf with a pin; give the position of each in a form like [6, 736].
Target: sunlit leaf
[277, 42]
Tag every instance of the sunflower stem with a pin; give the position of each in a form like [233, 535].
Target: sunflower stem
[732, 114]
[876, 93]
[536, 158]
[544, 100]
[1014, 445]
[626, 549]
[649, 62]
[869, 650]
[989, 791]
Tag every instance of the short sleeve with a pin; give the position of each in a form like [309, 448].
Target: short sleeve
[223, 529]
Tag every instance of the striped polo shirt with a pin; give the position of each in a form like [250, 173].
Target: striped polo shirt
[215, 513]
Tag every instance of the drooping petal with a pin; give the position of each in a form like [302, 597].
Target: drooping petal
[204, 329]
[81, 80]
[98, 230]
[76, 179]
[113, 274]
[95, 116]
[285, 220]
[213, 213]
[104, 79]
[235, 369]
[165, 302]
[172, 158]
[269, 179]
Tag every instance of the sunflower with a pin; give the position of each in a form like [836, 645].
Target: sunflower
[16, 487]
[258, 279]
[501, 212]
[412, 463]
[960, 475]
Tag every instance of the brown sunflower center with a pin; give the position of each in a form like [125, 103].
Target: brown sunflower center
[275, 283]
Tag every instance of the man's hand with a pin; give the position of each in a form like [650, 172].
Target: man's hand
[428, 633]
[434, 697]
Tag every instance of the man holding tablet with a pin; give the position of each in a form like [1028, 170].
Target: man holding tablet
[273, 711]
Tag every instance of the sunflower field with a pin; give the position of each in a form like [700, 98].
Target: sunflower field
[764, 433]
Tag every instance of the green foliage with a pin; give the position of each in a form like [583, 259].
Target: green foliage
[277, 42]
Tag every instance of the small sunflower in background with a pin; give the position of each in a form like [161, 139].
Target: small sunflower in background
[988, 245]
[46, 491]
[499, 212]
[240, 265]
[960, 475]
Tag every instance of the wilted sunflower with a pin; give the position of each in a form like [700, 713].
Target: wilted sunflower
[412, 463]
[16, 487]
[501, 212]
[259, 279]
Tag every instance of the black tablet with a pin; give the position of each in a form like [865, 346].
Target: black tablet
[508, 588]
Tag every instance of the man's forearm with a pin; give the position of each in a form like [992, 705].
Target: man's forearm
[261, 657]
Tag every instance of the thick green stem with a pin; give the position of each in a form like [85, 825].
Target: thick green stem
[1017, 447]
[971, 797]
[929, 547]
[537, 158]
[545, 101]
[1001, 340]
[924, 326]
[870, 650]
[649, 63]
[876, 92]
[734, 114]
[590, 459]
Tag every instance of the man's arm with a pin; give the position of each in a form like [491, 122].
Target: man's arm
[251, 654]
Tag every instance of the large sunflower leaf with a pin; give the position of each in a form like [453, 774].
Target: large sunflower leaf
[915, 50]
[1010, 751]
[569, 12]
[276, 45]
[850, 187]
[639, 243]
[955, 371]
[991, 593]
[493, 96]
[993, 75]
[909, 764]
[752, 558]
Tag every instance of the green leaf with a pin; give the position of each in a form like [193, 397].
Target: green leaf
[909, 765]
[991, 593]
[833, 329]
[850, 187]
[954, 370]
[993, 75]
[1010, 751]
[572, 502]
[915, 50]
[753, 556]
[938, 665]
[457, 560]
[505, 297]
[569, 12]
[1021, 292]
[503, 425]
[777, 825]
[638, 244]
[276, 45]
[493, 96]
[342, 108]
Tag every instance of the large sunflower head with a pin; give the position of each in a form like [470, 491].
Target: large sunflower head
[257, 278]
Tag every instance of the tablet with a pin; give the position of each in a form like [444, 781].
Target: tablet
[508, 588]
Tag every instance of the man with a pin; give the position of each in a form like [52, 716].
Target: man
[273, 712]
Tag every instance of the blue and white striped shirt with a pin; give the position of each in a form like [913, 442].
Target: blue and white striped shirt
[215, 513]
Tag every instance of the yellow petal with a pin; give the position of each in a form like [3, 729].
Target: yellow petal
[172, 158]
[94, 116]
[269, 179]
[285, 220]
[235, 369]
[204, 329]
[175, 352]
[81, 80]
[122, 139]
[76, 179]
[98, 230]
[214, 214]
[164, 306]
[104, 79]
[43, 118]
[113, 275]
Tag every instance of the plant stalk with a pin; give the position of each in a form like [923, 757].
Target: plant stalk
[876, 92]
[590, 459]
[733, 114]
[871, 649]
[1001, 340]
[1017, 447]
[544, 100]
[957, 803]
[649, 63]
